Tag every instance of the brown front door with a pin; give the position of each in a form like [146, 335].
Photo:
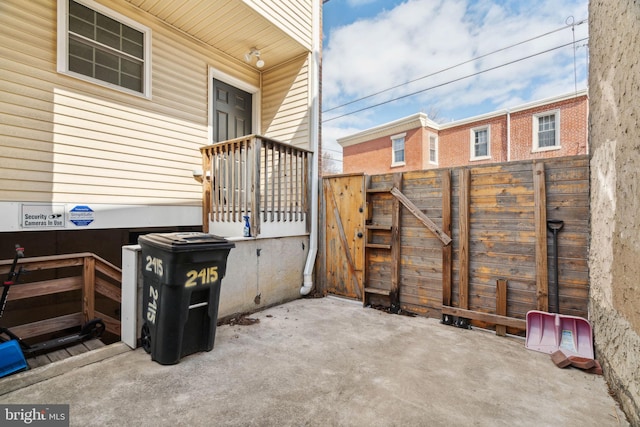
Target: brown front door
[345, 229]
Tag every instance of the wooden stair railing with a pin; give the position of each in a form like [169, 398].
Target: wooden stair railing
[96, 276]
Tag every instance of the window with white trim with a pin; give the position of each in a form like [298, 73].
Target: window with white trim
[546, 131]
[100, 45]
[433, 149]
[397, 149]
[480, 143]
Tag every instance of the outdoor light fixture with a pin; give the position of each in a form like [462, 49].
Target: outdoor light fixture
[199, 176]
[254, 52]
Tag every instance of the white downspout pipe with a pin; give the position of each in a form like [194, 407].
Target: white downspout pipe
[314, 58]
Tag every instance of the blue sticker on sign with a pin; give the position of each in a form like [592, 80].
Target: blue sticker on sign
[81, 215]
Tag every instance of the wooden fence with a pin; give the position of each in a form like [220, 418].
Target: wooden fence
[499, 263]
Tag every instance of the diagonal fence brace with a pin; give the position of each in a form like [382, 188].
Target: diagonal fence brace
[444, 238]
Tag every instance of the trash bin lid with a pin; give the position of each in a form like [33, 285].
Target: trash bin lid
[185, 241]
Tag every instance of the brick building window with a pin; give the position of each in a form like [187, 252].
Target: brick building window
[397, 149]
[104, 47]
[546, 131]
[480, 147]
[433, 149]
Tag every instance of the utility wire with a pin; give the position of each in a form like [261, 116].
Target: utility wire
[572, 25]
[453, 81]
[331, 149]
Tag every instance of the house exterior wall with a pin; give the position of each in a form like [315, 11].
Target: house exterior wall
[375, 156]
[455, 143]
[293, 17]
[261, 273]
[286, 103]
[67, 142]
[614, 133]
[573, 130]
[510, 133]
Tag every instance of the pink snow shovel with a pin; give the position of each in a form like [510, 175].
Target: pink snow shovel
[550, 332]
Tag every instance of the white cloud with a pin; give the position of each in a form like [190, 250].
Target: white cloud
[421, 37]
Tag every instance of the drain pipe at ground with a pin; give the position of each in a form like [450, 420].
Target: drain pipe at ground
[314, 58]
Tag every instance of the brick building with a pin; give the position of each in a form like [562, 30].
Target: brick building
[551, 127]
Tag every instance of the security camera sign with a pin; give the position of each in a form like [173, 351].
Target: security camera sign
[43, 216]
[81, 215]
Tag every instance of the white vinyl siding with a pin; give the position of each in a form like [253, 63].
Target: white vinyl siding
[292, 16]
[91, 143]
[285, 101]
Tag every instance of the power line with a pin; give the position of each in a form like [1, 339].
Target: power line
[330, 149]
[453, 81]
[458, 65]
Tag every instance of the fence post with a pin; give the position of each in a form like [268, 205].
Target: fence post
[447, 250]
[540, 218]
[256, 190]
[88, 288]
[207, 177]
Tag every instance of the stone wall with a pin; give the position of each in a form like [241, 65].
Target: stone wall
[614, 136]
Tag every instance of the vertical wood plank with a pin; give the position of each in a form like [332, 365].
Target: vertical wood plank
[308, 158]
[465, 182]
[286, 175]
[367, 219]
[273, 181]
[290, 193]
[232, 182]
[218, 194]
[246, 176]
[215, 183]
[394, 296]
[279, 180]
[540, 219]
[446, 227]
[323, 232]
[296, 184]
[206, 188]
[501, 305]
[256, 217]
[357, 183]
[88, 288]
[224, 184]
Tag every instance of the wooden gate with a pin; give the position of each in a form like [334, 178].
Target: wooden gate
[468, 244]
[344, 212]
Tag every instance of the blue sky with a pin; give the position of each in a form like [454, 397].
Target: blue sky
[376, 46]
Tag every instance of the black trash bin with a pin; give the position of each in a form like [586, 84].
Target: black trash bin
[182, 274]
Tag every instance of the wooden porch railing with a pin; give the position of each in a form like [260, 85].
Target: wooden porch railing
[96, 276]
[254, 174]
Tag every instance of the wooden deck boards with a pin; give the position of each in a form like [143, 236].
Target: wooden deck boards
[64, 353]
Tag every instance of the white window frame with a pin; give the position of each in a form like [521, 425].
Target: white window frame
[394, 138]
[435, 138]
[63, 46]
[535, 135]
[472, 144]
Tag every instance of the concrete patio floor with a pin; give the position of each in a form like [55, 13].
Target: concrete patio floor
[330, 362]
